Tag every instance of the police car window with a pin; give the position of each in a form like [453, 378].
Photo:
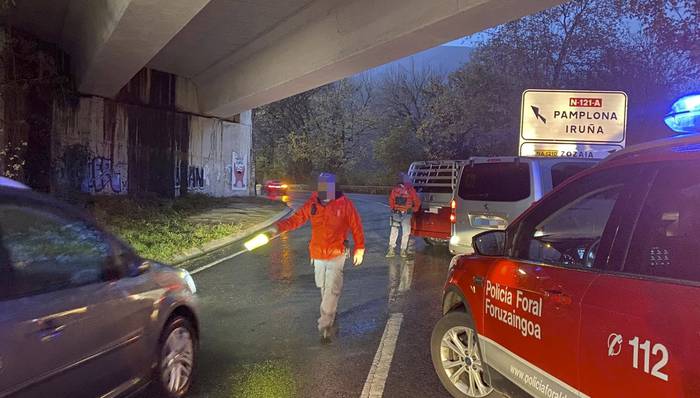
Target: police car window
[562, 171]
[666, 241]
[42, 252]
[571, 235]
[495, 182]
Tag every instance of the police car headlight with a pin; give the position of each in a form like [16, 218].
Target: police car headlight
[454, 240]
[189, 281]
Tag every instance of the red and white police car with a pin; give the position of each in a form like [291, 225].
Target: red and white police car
[592, 292]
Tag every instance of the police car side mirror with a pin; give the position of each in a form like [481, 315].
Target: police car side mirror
[491, 243]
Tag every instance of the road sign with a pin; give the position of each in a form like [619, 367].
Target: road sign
[567, 150]
[587, 119]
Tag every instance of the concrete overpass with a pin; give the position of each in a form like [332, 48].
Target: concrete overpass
[245, 53]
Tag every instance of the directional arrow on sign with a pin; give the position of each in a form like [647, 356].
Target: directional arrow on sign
[536, 110]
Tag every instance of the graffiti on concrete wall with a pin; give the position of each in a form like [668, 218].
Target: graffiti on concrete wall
[78, 170]
[195, 178]
[103, 176]
[238, 164]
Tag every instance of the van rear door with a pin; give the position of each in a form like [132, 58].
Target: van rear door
[494, 191]
[434, 181]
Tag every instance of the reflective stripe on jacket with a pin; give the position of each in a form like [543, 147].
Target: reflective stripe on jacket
[329, 226]
[403, 198]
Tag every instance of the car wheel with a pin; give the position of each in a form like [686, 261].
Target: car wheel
[457, 359]
[176, 358]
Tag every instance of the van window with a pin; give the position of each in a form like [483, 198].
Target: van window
[562, 171]
[495, 182]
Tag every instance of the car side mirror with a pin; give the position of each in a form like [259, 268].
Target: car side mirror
[491, 243]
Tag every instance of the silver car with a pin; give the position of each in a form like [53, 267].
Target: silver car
[81, 315]
[492, 191]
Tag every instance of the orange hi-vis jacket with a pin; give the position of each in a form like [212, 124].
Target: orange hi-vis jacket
[329, 225]
[404, 198]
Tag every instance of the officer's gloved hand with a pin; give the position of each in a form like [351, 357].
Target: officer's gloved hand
[358, 257]
[272, 231]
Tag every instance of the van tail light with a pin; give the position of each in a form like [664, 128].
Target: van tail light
[453, 211]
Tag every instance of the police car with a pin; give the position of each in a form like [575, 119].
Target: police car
[592, 292]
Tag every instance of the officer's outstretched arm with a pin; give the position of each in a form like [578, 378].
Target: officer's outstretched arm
[296, 220]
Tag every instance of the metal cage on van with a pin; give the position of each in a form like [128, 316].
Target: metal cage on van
[439, 176]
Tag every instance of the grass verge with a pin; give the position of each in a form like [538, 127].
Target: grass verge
[159, 229]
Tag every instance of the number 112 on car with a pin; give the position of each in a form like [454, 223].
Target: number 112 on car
[643, 353]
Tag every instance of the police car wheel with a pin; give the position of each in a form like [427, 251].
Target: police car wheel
[457, 359]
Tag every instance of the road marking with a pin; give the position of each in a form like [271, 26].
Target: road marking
[221, 260]
[379, 372]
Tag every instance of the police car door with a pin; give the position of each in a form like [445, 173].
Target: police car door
[546, 283]
[640, 332]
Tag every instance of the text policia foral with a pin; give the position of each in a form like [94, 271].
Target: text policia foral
[519, 304]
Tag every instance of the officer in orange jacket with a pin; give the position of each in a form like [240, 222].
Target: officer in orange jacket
[332, 214]
[403, 202]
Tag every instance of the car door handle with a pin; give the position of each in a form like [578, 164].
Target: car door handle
[478, 280]
[557, 296]
[50, 331]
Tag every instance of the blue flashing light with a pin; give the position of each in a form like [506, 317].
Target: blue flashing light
[685, 115]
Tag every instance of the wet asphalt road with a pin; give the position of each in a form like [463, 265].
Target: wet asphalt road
[259, 314]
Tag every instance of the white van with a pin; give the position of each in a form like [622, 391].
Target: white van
[493, 191]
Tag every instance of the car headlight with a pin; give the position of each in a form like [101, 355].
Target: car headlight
[187, 277]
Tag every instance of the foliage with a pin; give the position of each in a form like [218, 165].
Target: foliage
[7, 5]
[319, 130]
[34, 77]
[12, 159]
[672, 24]
[397, 149]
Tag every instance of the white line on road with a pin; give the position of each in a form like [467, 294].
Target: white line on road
[379, 372]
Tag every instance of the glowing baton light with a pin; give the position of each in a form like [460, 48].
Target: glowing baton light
[257, 241]
[685, 115]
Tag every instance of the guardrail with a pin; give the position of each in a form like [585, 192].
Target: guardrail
[367, 189]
